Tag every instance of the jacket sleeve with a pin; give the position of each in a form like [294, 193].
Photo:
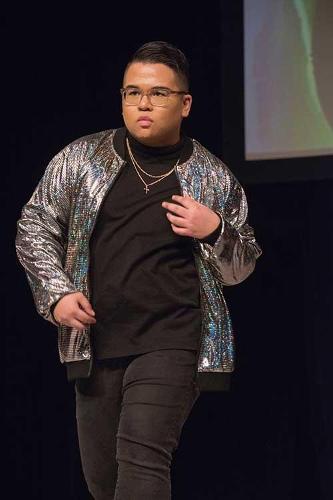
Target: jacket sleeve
[41, 237]
[233, 255]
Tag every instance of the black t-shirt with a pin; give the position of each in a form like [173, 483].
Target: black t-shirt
[143, 278]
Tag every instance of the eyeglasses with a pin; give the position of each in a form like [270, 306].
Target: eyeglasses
[158, 96]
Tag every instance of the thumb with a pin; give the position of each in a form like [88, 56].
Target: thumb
[85, 304]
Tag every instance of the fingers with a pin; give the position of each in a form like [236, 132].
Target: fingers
[177, 221]
[83, 317]
[85, 304]
[180, 230]
[79, 320]
[186, 201]
[72, 322]
[77, 324]
[173, 207]
[179, 213]
[74, 310]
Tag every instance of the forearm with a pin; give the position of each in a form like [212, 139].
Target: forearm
[234, 254]
[41, 254]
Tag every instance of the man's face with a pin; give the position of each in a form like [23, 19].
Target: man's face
[155, 125]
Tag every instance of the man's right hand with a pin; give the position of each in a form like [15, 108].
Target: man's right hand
[74, 310]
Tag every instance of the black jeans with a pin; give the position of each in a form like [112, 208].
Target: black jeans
[130, 414]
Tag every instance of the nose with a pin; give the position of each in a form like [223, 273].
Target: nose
[145, 102]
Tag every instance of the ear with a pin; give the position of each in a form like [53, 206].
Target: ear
[187, 103]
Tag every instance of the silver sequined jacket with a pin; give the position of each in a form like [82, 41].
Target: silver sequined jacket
[53, 232]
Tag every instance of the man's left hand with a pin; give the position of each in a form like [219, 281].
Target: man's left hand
[191, 218]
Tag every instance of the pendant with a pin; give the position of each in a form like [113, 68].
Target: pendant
[146, 189]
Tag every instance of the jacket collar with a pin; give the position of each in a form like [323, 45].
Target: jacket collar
[120, 148]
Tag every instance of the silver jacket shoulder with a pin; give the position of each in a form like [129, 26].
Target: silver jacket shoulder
[42, 230]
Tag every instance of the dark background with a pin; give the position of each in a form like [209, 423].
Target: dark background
[270, 437]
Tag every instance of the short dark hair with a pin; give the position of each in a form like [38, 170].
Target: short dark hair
[164, 53]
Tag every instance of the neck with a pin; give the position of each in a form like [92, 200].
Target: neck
[147, 149]
[154, 144]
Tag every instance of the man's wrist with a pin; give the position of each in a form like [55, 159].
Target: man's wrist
[52, 308]
[212, 237]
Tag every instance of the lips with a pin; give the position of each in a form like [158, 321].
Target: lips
[145, 121]
[145, 118]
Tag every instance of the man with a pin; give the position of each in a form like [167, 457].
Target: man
[127, 242]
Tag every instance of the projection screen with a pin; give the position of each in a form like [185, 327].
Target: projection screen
[288, 78]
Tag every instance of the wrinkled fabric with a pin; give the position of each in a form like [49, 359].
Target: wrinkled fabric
[130, 413]
[53, 232]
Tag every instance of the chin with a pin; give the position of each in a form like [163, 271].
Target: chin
[145, 135]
